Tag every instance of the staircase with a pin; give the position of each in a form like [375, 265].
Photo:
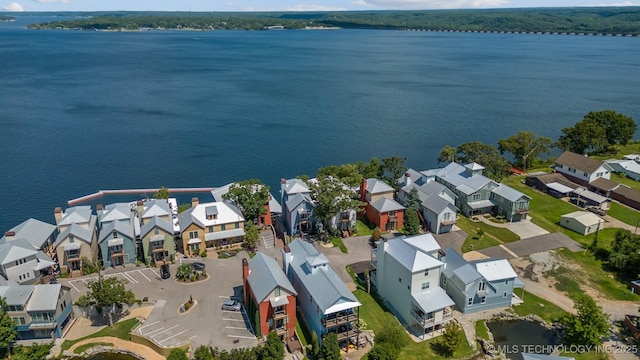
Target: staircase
[267, 238]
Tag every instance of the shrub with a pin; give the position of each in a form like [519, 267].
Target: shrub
[203, 254]
[377, 234]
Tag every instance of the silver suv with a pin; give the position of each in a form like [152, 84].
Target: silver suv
[231, 305]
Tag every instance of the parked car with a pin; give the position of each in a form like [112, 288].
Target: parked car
[231, 305]
[596, 210]
[164, 271]
[198, 266]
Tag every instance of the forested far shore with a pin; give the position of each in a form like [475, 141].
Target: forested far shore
[596, 20]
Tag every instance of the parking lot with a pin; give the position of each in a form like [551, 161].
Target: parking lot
[203, 324]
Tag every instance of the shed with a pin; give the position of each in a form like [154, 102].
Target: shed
[582, 222]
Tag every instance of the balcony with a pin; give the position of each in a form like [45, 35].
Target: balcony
[447, 222]
[422, 318]
[279, 315]
[393, 217]
[333, 321]
[157, 248]
[116, 252]
[73, 255]
[522, 211]
[280, 330]
[447, 314]
[42, 325]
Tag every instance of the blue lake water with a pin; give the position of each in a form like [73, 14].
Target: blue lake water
[84, 111]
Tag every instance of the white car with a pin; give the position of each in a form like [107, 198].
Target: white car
[231, 305]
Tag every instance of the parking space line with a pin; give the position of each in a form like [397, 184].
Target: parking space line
[152, 331]
[233, 320]
[235, 327]
[171, 328]
[146, 326]
[73, 286]
[172, 336]
[155, 272]
[241, 337]
[130, 278]
[145, 276]
[223, 297]
[193, 337]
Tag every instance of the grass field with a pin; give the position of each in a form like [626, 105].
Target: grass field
[362, 229]
[491, 235]
[625, 214]
[119, 330]
[538, 306]
[481, 330]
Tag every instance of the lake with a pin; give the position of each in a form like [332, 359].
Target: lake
[86, 111]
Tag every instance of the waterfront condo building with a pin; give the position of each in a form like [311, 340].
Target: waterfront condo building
[214, 225]
[77, 238]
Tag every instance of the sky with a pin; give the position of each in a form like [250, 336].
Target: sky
[290, 5]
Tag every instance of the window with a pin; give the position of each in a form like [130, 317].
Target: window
[504, 294]
[22, 321]
[193, 234]
[399, 279]
[475, 197]
[426, 272]
[470, 301]
[559, 166]
[20, 277]
[156, 231]
[444, 281]
[572, 170]
[425, 286]
[585, 174]
[212, 216]
[223, 227]
[210, 229]
[277, 291]
[114, 234]
[409, 287]
[481, 286]
[446, 216]
[599, 174]
[70, 238]
[237, 225]
[483, 300]
[506, 282]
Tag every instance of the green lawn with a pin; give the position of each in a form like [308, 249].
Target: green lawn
[481, 330]
[337, 242]
[303, 333]
[491, 235]
[377, 318]
[624, 214]
[623, 179]
[362, 229]
[119, 330]
[538, 306]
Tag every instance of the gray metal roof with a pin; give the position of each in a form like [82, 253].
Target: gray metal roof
[437, 204]
[509, 193]
[78, 231]
[456, 175]
[211, 210]
[375, 186]
[76, 215]
[324, 285]
[155, 221]
[481, 204]
[44, 298]
[412, 256]
[16, 250]
[453, 260]
[116, 211]
[265, 275]
[36, 232]
[559, 187]
[415, 177]
[435, 298]
[294, 200]
[384, 204]
[156, 207]
[123, 227]
[224, 234]
[274, 205]
[467, 273]
[295, 186]
[590, 195]
[493, 270]
[16, 294]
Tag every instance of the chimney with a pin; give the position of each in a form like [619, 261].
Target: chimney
[363, 190]
[407, 179]
[283, 186]
[139, 208]
[9, 235]
[57, 214]
[99, 212]
[245, 276]
[194, 201]
[286, 258]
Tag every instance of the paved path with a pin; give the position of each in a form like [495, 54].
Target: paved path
[526, 247]
[144, 351]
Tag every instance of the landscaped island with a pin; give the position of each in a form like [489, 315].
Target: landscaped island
[600, 20]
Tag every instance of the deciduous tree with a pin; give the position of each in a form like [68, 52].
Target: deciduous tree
[586, 136]
[202, 352]
[330, 349]
[7, 327]
[346, 173]
[411, 224]
[451, 338]
[496, 166]
[618, 128]
[177, 354]
[372, 169]
[525, 147]
[251, 235]
[250, 196]
[162, 193]
[588, 326]
[447, 154]
[272, 349]
[392, 169]
[110, 293]
[331, 196]
[624, 255]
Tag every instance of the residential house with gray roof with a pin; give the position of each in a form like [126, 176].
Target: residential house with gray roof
[297, 206]
[477, 194]
[381, 209]
[273, 210]
[478, 285]
[213, 225]
[269, 296]
[117, 238]
[25, 252]
[406, 275]
[157, 241]
[325, 302]
[39, 311]
[77, 238]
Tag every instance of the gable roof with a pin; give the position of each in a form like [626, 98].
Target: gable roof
[324, 285]
[375, 186]
[437, 204]
[453, 260]
[627, 192]
[153, 223]
[36, 232]
[555, 177]
[579, 162]
[384, 204]
[78, 231]
[265, 275]
[585, 218]
[423, 242]
[122, 227]
[416, 177]
[410, 256]
[16, 250]
[44, 297]
[457, 175]
[603, 184]
[296, 199]
[76, 215]
[467, 274]
[494, 270]
[590, 195]
[227, 213]
[115, 212]
[295, 186]
[509, 193]
[16, 294]
[156, 207]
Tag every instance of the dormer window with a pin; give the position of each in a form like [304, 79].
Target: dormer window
[212, 217]
[70, 238]
[114, 234]
[277, 291]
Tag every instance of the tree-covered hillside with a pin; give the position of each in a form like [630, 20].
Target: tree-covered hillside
[608, 20]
